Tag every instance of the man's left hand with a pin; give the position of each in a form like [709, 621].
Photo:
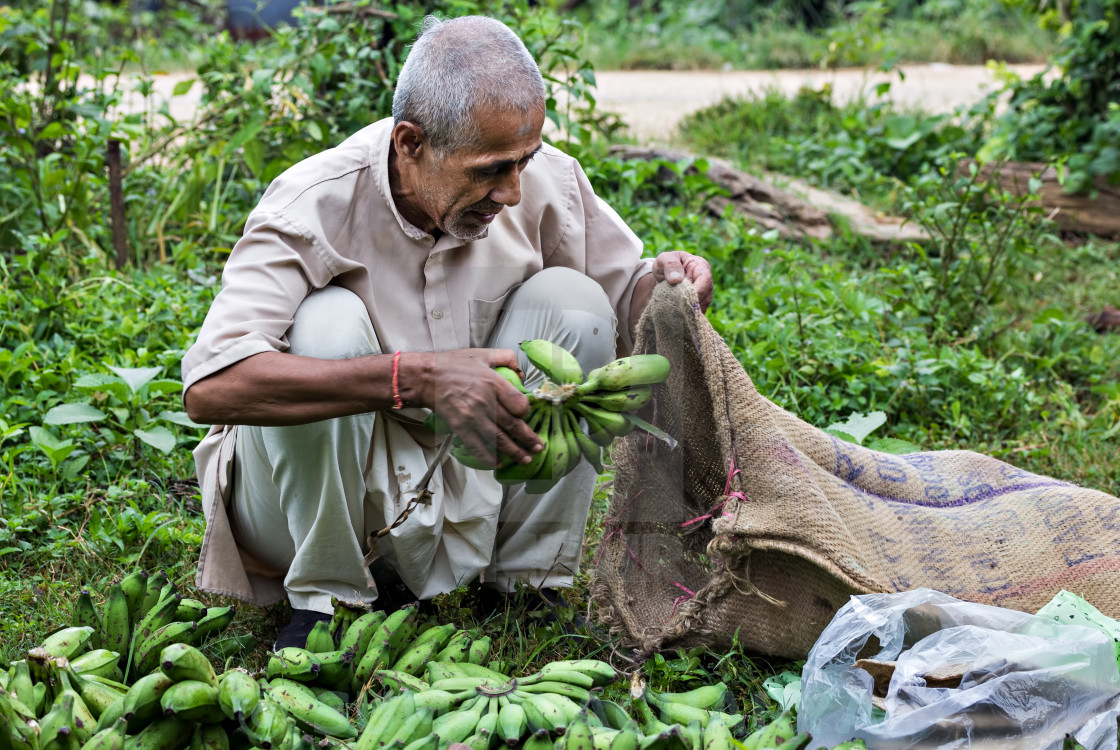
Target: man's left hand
[676, 265]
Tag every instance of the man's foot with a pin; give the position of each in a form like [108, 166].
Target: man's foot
[296, 631]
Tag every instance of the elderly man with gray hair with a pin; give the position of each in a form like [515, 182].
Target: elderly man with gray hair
[384, 279]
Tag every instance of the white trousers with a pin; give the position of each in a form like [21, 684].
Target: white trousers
[306, 497]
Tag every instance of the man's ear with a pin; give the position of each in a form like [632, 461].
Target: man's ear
[409, 140]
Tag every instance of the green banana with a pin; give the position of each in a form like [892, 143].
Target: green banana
[777, 732]
[512, 725]
[116, 626]
[541, 713]
[162, 734]
[100, 661]
[293, 663]
[269, 723]
[626, 400]
[96, 695]
[397, 629]
[68, 642]
[192, 700]
[332, 698]
[571, 429]
[181, 661]
[442, 671]
[459, 684]
[153, 592]
[162, 613]
[238, 694]
[555, 362]
[717, 735]
[572, 677]
[345, 613]
[612, 423]
[426, 742]
[135, 587]
[539, 739]
[715, 697]
[398, 681]
[437, 424]
[56, 725]
[141, 702]
[416, 656]
[479, 651]
[512, 376]
[457, 648]
[568, 707]
[577, 735]
[627, 372]
[591, 450]
[209, 737]
[109, 738]
[456, 726]
[190, 609]
[612, 714]
[440, 701]
[111, 714]
[416, 725]
[356, 638]
[463, 455]
[538, 421]
[20, 685]
[600, 672]
[85, 615]
[626, 739]
[385, 720]
[566, 689]
[311, 713]
[319, 640]
[595, 430]
[335, 670]
[147, 654]
[215, 621]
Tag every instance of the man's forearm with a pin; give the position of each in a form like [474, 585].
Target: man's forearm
[274, 388]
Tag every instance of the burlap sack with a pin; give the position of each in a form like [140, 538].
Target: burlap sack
[758, 526]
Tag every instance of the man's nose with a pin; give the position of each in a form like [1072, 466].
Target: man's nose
[508, 192]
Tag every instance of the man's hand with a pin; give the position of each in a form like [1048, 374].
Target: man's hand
[676, 265]
[480, 406]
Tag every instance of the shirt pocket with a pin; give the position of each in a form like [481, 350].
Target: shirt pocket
[484, 315]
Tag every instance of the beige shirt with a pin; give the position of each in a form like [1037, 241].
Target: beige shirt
[331, 220]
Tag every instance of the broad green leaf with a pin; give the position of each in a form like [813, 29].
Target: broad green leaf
[315, 130]
[859, 426]
[179, 418]
[136, 377]
[655, 431]
[165, 385]
[160, 438]
[73, 414]
[253, 153]
[841, 435]
[182, 87]
[95, 380]
[784, 689]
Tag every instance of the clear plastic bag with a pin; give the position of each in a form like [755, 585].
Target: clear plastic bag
[1024, 681]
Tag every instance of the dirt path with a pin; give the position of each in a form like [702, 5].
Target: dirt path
[653, 102]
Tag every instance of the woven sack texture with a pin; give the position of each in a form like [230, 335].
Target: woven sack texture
[758, 527]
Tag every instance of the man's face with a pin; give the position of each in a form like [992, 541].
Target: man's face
[465, 190]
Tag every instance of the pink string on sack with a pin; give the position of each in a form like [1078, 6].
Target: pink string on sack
[727, 495]
[683, 598]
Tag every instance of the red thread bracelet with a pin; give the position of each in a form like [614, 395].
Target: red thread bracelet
[397, 402]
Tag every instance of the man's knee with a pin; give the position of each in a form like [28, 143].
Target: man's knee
[565, 289]
[332, 323]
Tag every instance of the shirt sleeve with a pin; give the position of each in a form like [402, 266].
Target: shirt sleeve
[271, 269]
[600, 243]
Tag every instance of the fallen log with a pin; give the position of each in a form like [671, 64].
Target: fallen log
[799, 210]
[1097, 214]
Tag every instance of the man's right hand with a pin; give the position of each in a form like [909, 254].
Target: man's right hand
[481, 407]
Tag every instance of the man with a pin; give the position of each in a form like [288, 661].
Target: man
[385, 278]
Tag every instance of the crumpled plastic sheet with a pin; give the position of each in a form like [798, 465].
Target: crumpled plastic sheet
[1029, 680]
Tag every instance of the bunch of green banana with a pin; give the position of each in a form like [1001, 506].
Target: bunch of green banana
[574, 417]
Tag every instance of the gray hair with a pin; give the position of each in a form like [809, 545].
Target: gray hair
[458, 66]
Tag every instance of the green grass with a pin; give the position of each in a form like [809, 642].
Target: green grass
[732, 34]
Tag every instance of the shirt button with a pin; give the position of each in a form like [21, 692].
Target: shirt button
[437, 314]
